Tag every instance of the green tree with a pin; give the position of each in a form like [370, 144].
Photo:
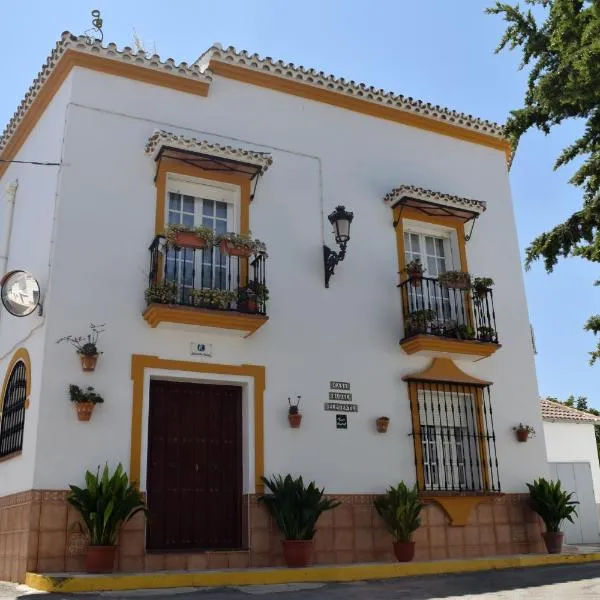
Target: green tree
[562, 52]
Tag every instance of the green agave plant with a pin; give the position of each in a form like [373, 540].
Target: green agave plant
[295, 506]
[105, 503]
[399, 509]
[552, 503]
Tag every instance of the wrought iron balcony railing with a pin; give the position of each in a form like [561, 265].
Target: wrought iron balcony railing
[431, 308]
[206, 278]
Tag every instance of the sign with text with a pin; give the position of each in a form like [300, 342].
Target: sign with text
[341, 407]
[341, 421]
[340, 396]
[339, 385]
[200, 349]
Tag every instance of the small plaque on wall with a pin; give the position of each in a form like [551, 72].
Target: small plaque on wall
[339, 385]
[197, 349]
[341, 421]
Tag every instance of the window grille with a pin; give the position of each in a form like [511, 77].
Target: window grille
[12, 418]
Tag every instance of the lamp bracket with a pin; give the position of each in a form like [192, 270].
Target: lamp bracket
[331, 260]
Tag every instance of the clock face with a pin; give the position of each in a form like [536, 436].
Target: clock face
[20, 293]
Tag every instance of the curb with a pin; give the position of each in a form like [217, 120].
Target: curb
[68, 583]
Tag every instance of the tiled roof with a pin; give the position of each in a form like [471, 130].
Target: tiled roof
[411, 191]
[555, 412]
[162, 138]
[82, 43]
[324, 81]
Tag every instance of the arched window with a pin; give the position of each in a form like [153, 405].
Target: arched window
[12, 417]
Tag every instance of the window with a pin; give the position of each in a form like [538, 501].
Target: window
[12, 418]
[192, 205]
[455, 444]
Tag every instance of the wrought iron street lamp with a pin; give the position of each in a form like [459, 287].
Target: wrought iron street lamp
[341, 219]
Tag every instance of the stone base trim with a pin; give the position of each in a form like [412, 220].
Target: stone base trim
[40, 532]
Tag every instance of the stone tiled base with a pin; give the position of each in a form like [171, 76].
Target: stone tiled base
[40, 532]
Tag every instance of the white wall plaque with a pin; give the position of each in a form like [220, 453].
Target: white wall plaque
[200, 349]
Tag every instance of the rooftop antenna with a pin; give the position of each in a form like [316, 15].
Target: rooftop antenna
[95, 32]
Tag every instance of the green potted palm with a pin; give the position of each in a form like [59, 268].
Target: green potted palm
[296, 509]
[400, 509]
[553, 505]
[105, 503]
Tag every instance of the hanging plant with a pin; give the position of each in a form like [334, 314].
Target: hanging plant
[294, 416]
[459, 280]
[481, 286]
[180, 236]
[86, 346]
[240, 244]
[524, 432]
[414, 271]
[84, 401]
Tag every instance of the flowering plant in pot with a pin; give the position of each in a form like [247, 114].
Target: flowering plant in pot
[212, 298]
[84, 402]
[296, 508]
[294, 416]
[400, 509]
[251, 296]
[481, 286]
[239, 244]
[181, 236]
[459, 280]
[86, 346]
[419, 321]
[105, 503]
[553, 505]
[524, 432]
[486, 334]
[162, 292]
[414, 271]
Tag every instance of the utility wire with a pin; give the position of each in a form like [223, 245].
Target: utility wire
[31, 162]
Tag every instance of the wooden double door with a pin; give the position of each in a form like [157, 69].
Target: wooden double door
[194, 476]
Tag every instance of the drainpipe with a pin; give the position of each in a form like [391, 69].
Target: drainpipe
[5, 235]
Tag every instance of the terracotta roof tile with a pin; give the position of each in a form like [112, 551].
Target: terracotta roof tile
[411, 191]
[558, 413]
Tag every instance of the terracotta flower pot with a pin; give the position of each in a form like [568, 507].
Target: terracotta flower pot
[188, 239]
[228, 248]
[84, 410]
[88, 363]
[382, 424]
[100, 559]
[522, 435]
[554, 541]
[404, 551]
[295, 420]
[248, 306]
[297, 553]
[415, 279]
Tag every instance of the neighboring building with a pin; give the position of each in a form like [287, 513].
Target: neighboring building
[236, 142]
[573, 456]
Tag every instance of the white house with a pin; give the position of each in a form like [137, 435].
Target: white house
[573, 456]
[239, 143]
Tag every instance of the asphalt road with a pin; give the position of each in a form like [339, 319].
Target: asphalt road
[572, 582]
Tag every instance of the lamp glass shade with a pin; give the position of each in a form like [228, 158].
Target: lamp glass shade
[342, 230]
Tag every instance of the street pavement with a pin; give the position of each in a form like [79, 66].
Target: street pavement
[572, 582]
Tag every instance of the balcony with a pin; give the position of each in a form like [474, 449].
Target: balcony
[442, 321]
[206, 287]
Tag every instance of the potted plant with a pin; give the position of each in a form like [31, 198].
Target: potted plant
[250, 297]
[524, 432]
[399, 509]
[181, 236]
[296, 509]
[382, 424]
[239, 244]
[105, 503]
[481, 286]
[465, 332]
[212, 298]
[86, 346]
[553, 505]
[414, 271]
[84, 402]
[486, 334]
[294, 416]
[459, 280]
[419, 321]
[162, 292]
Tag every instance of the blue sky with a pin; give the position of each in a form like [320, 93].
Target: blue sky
[432, 50]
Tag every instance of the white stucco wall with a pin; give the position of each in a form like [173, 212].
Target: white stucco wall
[322, 156]
[573, 442]
[30, 250]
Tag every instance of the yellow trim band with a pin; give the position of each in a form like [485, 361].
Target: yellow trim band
[358, 572]
[140, 362]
